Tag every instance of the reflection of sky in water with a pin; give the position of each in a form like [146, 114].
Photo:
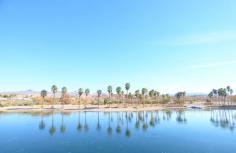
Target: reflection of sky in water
[164, 131]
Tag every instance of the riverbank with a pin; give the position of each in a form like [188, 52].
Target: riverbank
[71, 108]
[104, 108]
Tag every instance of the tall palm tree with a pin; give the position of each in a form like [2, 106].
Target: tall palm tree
[118, 91]
[99, 93]
[122, 97]
[151, 94]
[127, 87]
[64, 91]
[54, 91]
[157, 94]
[80, 93]
[215, 93]
[43, 95]
[229, 90]
[210, 95]
[109, 90]
[137, 95]
[144, 93]
[87, 91]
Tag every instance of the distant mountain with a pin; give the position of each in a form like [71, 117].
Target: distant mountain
[197, 94]
[27, 92]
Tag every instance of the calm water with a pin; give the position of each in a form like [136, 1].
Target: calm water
[189, 131]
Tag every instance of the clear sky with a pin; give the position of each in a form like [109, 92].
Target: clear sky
[167, 45]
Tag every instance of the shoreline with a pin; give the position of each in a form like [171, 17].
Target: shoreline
[104, 108]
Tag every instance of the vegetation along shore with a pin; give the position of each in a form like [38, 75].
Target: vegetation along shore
[117, 99]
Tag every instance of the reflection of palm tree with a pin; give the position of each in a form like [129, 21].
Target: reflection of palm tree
[79, 126]
[223, 118]
[137, 123]
[157, 118]
[109, 129]
[152, 120]
[145, 125]
[181, 117]
[52, 130]
[86, 127]
[118, 127]
[63, 127]
[42, 124]
[98, 123]
[127, 132]
[168, 114]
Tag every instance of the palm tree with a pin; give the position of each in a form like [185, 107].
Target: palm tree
[178, 96]
[151, 94]
[127, 87]
[109, 90]
[64, 92]
[43, 95]
[87, 91]
[229, 92]
[156, 94]
[80, 93]
[215, 93]
[137, 93]
[130, 96]
[122, 97]
[210, 95]
[144, 93]
[54, 91]
[99, 93]
[118, 91]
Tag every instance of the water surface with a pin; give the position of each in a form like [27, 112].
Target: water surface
[170, 131]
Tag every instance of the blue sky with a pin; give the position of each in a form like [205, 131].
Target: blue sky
[169, 46]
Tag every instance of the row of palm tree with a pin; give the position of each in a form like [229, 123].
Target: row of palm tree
[222, 95]
[119, 94]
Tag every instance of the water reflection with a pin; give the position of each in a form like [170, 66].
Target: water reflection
[52, 130]
[223, 118]
[124, 122]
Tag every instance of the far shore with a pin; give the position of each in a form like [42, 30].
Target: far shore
[105, 108]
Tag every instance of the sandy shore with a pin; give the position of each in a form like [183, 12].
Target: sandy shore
[102, 108]
[71, 108]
